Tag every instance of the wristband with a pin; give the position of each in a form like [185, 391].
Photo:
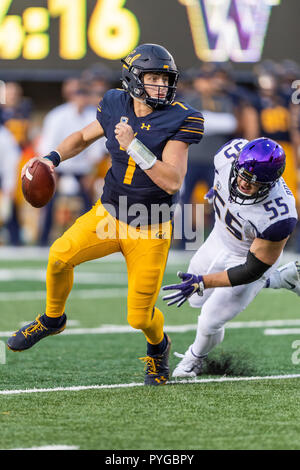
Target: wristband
[142, 156]
[54, 157]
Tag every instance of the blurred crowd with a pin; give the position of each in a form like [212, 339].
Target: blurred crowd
[259, 102]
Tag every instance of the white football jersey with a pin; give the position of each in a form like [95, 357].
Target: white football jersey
[237, 225]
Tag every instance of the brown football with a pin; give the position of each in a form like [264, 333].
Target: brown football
[38, 184]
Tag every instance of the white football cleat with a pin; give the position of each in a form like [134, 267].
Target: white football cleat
[290, 276]
[189, 366]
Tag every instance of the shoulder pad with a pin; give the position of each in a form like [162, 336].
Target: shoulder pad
[229, 152]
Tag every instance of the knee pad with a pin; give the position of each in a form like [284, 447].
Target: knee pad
[146, 283]
[59, 255]
[139, 319]
[195, 301]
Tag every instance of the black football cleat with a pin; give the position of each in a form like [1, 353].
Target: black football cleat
[157, 367]
[30, 334]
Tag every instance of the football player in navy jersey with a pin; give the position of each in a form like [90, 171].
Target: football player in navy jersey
[148, 134]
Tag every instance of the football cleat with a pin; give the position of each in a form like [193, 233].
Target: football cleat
[290, 276]
[30, 334]
[189, 366]
[157, 367]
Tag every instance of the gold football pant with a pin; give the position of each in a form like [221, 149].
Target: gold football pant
[97, 234]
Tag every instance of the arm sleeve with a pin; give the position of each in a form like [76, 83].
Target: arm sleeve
[191, 130]
[248, 272]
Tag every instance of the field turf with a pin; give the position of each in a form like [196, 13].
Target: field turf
[93, 395]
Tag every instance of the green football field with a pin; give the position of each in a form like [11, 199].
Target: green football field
[84, 389]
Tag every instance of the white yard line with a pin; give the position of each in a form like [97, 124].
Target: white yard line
[105, 329]
[262, 323]
[80, 277]
[175, 258]
[134, 384]
[281, 331]
[75, 294]
[7, 253]
[50, 447]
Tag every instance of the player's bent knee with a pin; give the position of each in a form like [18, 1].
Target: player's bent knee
[195, 301]
[209, 328]
[59, 255]
[139, 320]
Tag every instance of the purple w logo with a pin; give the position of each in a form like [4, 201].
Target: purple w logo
[229, 29]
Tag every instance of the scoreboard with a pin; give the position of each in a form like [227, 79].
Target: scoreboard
[65, 30]
[73, 34]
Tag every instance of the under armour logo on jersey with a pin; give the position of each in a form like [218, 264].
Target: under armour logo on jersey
[145, 126]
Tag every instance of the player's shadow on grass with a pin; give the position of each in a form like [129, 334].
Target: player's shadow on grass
[230, 363]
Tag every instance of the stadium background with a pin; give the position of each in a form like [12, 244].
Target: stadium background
[47, 45]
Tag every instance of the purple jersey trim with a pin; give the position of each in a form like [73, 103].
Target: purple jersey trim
[280, 230]
[225, 145]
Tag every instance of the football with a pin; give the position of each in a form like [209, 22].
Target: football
[38, 184]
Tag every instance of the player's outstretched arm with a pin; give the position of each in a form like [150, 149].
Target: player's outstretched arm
[261, 256]
[267, 251]
[70, 146]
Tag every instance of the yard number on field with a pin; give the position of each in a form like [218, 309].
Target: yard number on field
[296, 354]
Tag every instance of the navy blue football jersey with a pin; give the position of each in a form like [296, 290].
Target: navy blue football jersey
[172, 122]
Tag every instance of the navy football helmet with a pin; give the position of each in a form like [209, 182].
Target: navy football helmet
[261, 161]
[144, 59]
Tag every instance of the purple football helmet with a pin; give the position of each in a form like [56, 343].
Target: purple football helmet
[261, 161]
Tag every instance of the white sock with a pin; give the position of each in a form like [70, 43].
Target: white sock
[203, 344]
[274, 281]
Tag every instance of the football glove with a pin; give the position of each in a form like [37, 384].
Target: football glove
[209, 196]
[190, 285]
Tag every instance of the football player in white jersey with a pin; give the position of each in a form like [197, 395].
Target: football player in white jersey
[255, 214]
